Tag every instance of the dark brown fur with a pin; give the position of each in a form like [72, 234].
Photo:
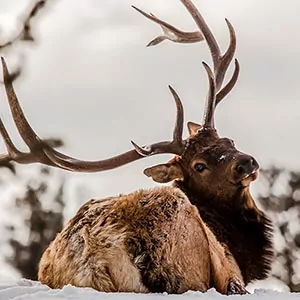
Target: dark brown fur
[246, 232]
[232, 215]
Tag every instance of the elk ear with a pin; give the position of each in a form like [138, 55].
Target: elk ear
[165, 172]
[193, 127]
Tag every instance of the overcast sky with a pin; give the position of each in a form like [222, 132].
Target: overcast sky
[91, 81]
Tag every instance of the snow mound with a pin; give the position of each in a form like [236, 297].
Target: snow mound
[27, 289]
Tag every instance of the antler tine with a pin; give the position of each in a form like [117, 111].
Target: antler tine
[12, 151]
[42, 152]
[226, 58]
[178, 129]
[230, 84]
[27, 133]
[176, 146]
[170, 32]
[13, 154]
[34, 143]
[208, 119]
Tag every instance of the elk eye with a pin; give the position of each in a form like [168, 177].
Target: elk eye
[199, 167]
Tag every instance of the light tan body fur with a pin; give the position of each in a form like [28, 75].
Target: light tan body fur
[98, 247]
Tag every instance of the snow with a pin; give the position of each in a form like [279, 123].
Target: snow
[27, 289]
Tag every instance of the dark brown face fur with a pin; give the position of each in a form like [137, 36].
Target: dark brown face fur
[213, 166]
[209, 165]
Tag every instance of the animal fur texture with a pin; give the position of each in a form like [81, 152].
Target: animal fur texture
[147, 241]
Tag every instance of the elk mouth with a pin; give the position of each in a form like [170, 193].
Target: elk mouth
[245, 170]
[248, 178]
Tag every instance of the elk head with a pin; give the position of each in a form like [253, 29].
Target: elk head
[209, 166]
[204, 162]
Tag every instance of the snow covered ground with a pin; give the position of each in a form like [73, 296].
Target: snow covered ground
[26, 289]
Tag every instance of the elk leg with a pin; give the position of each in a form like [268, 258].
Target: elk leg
[235, 286]
[226, 274]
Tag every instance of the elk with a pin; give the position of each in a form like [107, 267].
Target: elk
[202, 231]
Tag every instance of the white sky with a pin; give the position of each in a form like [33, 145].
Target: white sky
[91, 81]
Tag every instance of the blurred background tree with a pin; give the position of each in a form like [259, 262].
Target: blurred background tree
[41, 222]
[280, 198]
[38, 211]
[25, 34]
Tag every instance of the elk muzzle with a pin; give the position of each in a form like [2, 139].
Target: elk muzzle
[245, 169]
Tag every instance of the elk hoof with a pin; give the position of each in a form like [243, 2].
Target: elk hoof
[236, 287]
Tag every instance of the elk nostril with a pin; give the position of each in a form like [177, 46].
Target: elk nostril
[240, 169]
[254, 163]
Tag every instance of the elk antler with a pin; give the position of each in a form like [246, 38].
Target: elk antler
[220, 62]
[42, 152]
[170, 32]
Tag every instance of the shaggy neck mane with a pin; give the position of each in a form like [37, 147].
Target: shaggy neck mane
[241, 226]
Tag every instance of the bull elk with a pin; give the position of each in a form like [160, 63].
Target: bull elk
[203, 231]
